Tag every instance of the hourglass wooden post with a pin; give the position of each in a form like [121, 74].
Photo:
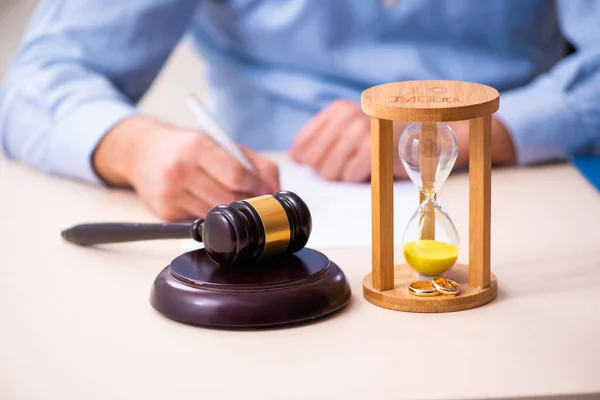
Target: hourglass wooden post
[429, 103]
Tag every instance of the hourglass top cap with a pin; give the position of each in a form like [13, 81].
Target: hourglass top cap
[430, 101]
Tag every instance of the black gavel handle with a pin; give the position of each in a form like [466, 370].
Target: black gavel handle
[99, 233]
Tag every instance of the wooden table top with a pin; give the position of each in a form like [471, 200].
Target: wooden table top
[77, 323]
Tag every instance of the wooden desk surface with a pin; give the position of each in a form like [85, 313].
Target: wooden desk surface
[76, 322]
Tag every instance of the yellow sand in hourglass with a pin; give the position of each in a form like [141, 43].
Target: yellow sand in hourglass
[430, 257]
[428, 152]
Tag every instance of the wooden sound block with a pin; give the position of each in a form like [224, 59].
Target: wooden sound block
[294, 288]
[400, 299]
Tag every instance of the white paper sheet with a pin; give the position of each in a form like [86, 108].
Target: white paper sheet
[341, 212]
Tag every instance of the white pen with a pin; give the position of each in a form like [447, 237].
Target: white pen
[215, 131]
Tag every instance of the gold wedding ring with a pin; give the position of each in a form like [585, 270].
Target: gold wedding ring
[423, 289]
[435, 288]
[446, 286]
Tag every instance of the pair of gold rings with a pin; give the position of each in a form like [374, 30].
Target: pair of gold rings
[434, 288]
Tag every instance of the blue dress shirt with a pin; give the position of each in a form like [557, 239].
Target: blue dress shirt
[83, 66]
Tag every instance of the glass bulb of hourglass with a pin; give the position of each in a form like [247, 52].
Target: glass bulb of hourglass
[441, 144]
[430, 241]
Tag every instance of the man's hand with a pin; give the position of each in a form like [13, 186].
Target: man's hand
[179, 173]
[337, 144]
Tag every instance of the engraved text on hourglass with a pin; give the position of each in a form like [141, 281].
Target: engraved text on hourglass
[415, 95]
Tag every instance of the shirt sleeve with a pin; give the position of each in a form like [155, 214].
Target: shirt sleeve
[557, 115]
[81, 68]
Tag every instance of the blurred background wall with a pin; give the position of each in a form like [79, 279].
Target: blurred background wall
[182, 73]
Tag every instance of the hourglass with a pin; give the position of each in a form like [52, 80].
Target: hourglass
[430, 279]
[430, 244]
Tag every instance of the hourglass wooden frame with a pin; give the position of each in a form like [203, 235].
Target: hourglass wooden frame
[430, 101]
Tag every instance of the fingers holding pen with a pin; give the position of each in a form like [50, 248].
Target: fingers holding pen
[179, 173]
[225, 169]
[266, 170]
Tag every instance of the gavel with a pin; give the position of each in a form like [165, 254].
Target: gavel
[241, 233]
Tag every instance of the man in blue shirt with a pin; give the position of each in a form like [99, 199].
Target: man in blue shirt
[278, 70]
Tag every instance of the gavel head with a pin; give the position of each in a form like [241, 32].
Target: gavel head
[247, 231]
